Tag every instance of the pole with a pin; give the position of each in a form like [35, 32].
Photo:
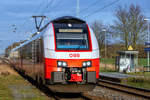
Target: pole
[105, 49]
[148, 46]
[77, 10]
[104, 30]
[147, 20]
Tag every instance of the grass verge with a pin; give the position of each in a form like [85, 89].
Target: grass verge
[107, 60]
[141, 81]
[14, 87]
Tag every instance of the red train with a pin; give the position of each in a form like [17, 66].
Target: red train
[64, 55]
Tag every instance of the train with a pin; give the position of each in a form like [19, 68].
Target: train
[63, 55]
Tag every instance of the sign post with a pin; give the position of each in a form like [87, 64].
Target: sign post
[147, 50]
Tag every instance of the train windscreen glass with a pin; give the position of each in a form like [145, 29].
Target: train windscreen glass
[72, 39]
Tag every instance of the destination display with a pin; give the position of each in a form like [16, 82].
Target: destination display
[71, 30]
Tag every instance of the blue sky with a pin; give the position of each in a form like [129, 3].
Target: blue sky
[17, 14]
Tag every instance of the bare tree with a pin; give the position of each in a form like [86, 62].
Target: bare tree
[100, 34]
[130, 25]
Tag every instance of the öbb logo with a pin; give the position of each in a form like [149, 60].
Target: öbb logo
[74, 55]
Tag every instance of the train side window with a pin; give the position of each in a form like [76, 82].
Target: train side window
[32, 52]
[26, 54]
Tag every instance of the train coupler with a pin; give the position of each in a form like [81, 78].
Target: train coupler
[76, 78]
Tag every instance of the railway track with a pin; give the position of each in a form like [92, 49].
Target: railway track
[144, 93]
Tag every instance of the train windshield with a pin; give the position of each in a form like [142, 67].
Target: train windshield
[71, 36]
[72, 41]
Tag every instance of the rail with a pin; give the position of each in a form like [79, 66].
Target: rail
[144, 93]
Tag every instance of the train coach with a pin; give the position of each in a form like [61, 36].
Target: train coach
[63, 55]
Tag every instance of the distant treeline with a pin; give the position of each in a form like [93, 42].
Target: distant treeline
[9, 48]
[111, 51]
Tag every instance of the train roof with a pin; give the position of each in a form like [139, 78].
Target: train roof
[68, 19]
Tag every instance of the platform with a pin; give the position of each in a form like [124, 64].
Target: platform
[114, 76]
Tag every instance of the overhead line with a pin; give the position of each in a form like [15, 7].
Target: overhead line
[47, 6]
[55, 5]
[89, 7]
[39, 7]
[108, 5]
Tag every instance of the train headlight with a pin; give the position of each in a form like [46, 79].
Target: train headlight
[61, 64]
[87, 64]
[64, 64]
[84, 64]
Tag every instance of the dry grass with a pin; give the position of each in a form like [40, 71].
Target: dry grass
[35, 71]
[6, 70]
[109, 66]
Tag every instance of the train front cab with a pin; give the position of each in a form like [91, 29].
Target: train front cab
[67, 74]
[71, 53]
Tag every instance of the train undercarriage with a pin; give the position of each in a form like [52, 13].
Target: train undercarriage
[72, 80]
[72, 75]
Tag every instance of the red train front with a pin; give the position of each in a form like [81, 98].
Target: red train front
[70, 53]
